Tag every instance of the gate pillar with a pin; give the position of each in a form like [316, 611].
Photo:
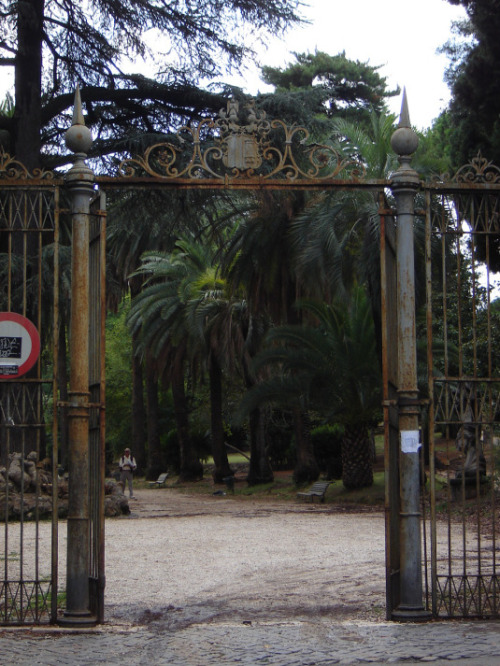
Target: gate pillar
[404, 185]
[79, 181]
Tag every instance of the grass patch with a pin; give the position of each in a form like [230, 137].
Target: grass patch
[372, 496]
[282, 488]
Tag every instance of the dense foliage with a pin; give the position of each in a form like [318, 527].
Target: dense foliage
[474, 80]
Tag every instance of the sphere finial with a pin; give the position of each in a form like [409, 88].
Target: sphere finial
[78, 137]
[404, 141]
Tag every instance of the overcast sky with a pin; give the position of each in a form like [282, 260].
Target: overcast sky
[399, 35]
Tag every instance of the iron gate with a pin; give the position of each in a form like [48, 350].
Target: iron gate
[29, 260]
[463, 390]
[458, 400]
[35, 260]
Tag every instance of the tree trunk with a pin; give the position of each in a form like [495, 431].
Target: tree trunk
[260, 469]
[138, 443]
[28, 83]
[155, 464]
[191, 468]
[219, 453]
[306, 469]
[357, 458]
[138, 412]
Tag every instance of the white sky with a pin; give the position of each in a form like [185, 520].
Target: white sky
[399, 35]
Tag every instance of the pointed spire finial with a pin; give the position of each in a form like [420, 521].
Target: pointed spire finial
[78, 118]
[78, 136]
[404, 118]
[404, 141]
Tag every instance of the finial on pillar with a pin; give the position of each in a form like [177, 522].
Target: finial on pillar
[404, 140]
[404, 117]
[78, 137]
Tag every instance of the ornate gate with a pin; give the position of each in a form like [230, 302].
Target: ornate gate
[462, 421]
[441, 510]
[440, 525]
[34, 270]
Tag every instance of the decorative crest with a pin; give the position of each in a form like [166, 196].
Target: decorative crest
[242, 143]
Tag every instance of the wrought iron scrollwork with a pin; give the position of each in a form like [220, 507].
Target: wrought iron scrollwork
[13, 169]
[478, 170]
[242, 144]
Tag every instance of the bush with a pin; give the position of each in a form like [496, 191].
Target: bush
[327, 443]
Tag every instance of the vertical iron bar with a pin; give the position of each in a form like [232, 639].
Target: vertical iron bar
[55, 421]
[430, 375]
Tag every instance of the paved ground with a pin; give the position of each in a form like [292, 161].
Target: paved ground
[293, 643]
[216, 582]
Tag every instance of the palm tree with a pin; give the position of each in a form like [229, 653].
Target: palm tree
[260, 259]
[331, 367]
[185, 317]
[137, 223]
[157, 318]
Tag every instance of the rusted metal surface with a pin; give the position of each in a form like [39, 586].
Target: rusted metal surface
[97, 318]
[464, 382]
[79, 182]
[29, 224]
[388, 268]
[228, 183]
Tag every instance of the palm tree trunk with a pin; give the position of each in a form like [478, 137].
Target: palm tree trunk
[191, 468]
[260, 469]
[219, 453]
[306, 468]
[357, 457]
[155, 464]
[138, 411]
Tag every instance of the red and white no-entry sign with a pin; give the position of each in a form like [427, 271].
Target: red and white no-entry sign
[19, 345]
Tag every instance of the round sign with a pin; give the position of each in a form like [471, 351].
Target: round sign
[19, 345]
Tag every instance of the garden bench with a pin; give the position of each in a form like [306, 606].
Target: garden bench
[160, 481]
[318, 489]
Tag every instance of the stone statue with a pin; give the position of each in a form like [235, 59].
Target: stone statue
[469, 436]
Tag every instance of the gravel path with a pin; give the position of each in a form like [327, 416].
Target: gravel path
[180, 559]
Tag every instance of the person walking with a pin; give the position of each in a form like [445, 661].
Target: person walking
[127, 468]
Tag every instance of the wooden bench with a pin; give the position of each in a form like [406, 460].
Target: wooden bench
[160, 481]
[318, 489]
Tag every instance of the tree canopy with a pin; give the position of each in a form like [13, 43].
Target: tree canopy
[55, 46]
[335, 86]
[474, 80]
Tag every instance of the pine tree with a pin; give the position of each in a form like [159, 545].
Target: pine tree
[54, 46]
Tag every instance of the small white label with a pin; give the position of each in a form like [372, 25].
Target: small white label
[409, 441]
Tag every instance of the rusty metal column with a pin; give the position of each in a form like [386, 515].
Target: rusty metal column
[405, 183]
[79, 181]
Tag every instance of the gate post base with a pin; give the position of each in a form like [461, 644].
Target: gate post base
[77, 619]
[411, 615]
